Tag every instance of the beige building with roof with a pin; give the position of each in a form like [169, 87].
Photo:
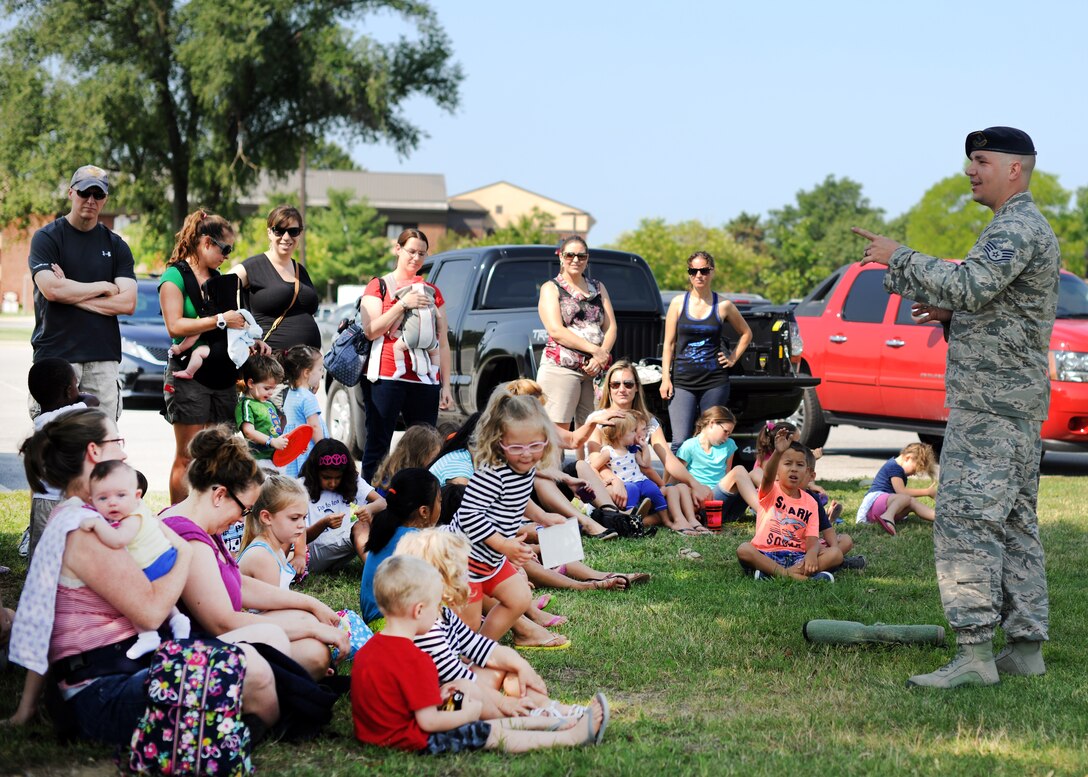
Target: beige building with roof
[504, 202]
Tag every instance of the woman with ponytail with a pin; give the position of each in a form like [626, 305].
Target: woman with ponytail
[202, 244]
[413, 502]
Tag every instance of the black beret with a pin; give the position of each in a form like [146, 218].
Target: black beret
[1005, 140]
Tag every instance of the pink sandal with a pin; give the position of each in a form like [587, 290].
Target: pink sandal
[542, 601]
[556, 620]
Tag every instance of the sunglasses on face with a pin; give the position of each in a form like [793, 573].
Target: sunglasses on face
[570, 256]
[226, 248]
[292, 231]
[517, 450]
[693, 271]
[88, 194]
[625, 383]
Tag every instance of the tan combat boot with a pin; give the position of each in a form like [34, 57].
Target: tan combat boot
[1021, 659]
[973, 665]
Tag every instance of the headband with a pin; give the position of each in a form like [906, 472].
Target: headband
[332, 460]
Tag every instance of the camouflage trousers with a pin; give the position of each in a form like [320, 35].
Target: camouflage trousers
[986, 536]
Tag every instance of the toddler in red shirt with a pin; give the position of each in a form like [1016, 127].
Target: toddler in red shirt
[395, 695]
[786, 542]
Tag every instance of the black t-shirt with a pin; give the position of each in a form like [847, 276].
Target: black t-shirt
[269, 296]
[66, 331]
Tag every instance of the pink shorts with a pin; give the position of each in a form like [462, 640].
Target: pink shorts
[879, 505]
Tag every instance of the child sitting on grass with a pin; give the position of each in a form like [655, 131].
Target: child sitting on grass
[395, 694]
[626, 455]
[786, 542]
[889, 500]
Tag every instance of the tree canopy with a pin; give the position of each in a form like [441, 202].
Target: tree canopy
[190, 101]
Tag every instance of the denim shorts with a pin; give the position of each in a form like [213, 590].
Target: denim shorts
[784, 558]
[109, 708]
[471, 736]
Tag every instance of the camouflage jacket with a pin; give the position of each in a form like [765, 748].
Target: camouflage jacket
[1004, 296]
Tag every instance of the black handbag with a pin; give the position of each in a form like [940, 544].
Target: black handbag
[350, 350]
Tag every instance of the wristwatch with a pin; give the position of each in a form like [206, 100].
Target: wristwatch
[220, 322]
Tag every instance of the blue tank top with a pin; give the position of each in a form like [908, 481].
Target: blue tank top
[698, 341]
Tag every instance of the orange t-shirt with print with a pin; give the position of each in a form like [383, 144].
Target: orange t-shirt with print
[785, 522]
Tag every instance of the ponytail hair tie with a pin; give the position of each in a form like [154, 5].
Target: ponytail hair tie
[770, 426]
[391, 491]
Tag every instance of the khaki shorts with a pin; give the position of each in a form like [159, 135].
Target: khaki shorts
[569, 393]
[191, 402]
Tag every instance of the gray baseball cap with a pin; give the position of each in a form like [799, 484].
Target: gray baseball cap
[88, 176]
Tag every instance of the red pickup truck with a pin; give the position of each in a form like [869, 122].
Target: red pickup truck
[880, 370]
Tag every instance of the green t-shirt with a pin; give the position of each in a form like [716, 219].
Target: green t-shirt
[173, 275]
[265, 419]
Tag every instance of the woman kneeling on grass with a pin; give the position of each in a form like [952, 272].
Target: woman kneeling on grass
[225, 482]
[84, 602]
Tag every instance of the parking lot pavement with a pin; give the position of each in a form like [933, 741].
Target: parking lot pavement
[149, 440]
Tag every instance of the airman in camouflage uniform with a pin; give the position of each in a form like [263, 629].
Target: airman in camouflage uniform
[998, 308]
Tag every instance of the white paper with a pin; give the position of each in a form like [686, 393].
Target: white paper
[560, 544]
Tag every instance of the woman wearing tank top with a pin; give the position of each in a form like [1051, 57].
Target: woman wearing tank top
[695, 370]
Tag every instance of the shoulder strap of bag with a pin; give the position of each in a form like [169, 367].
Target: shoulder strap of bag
[291, 304]
[192, 288]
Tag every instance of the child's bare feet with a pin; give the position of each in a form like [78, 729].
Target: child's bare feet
[183, 374]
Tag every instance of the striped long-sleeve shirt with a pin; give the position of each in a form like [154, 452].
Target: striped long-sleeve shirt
[494, 503]
[448, 640]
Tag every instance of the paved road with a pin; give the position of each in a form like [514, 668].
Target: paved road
[149, 441]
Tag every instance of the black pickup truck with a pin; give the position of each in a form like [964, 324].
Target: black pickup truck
[496, 336]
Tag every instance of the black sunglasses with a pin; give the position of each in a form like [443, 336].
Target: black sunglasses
[571, 255]
[241, 505]
[625, 383]
[226, 248]
[88, 194]
[693, 271]
[292, 231]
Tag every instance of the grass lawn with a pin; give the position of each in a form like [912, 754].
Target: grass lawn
[707, 671]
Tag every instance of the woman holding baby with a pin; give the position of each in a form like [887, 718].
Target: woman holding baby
[417, 396]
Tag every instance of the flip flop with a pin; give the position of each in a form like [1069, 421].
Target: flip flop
[543, 601]
[604, 718]
[548, 645]
[555, 620]
[888, 526]
[689, 554]
[633, 578]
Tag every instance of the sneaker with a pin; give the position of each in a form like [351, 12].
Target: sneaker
[823, 577]
[853, 562]
[24, 543]
[973, 665]
[762, 576]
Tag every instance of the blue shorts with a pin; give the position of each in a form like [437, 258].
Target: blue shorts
[784, 558]
[471, 736]
[645, 489]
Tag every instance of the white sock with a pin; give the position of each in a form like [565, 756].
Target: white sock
[179, 624]
[146, 641]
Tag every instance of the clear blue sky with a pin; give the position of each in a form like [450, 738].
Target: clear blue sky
[701, 110]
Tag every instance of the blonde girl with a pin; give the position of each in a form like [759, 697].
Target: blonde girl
[418, 447]
[481, 668]
[889, 500]
[626, 455]
[514, 436]
[303, 368]
[275, 523]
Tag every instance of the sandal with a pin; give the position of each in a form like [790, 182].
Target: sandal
[555, 620]
[632, 578]
[690, 554]
[608, 583]
[551, 644]
[542, 601]
[835, 512]
[607, 534]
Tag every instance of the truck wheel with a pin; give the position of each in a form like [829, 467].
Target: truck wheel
[338, 411]
[809, 419]
[935, 441]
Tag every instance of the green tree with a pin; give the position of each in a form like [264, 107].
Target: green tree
[666, 247]
[327, 155]
[194, 99]
[810, 239]
[345, 242]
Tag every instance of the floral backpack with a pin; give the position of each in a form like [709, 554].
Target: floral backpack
[193, 722]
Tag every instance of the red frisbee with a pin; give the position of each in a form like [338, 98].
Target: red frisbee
[297, 440]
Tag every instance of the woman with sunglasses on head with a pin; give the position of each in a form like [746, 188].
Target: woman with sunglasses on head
[219, 599]
[391, 391]
[623, 391]
[694, 369]
[202, 245]
[581, 326]
[282, 298]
